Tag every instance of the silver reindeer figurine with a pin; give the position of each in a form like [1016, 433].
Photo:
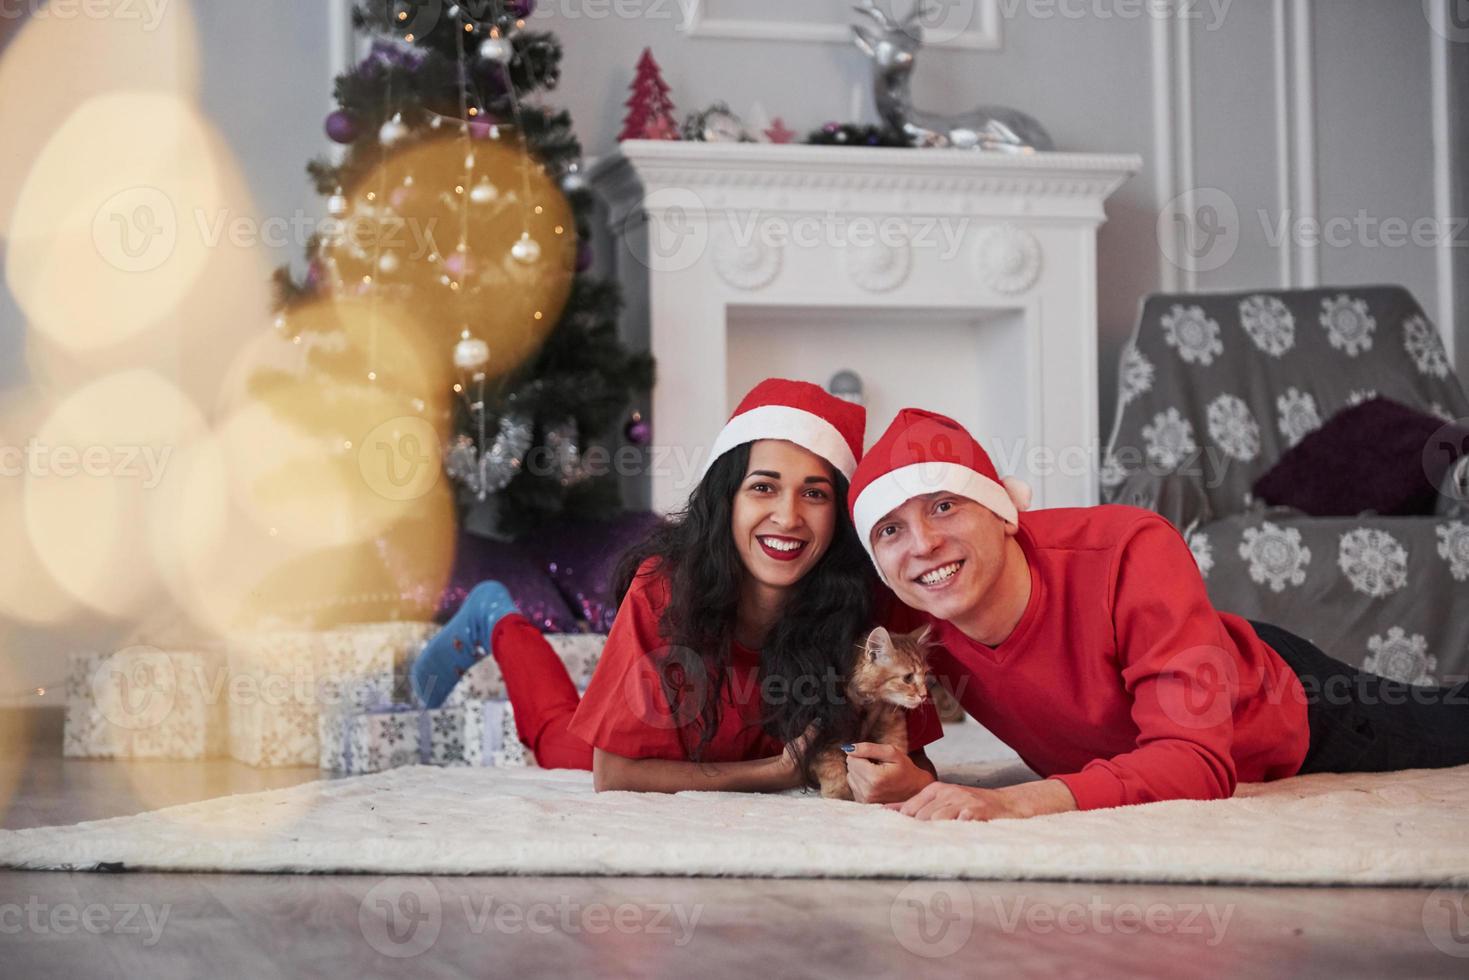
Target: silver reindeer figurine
[893, 54]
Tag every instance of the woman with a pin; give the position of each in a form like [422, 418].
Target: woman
[736, 621]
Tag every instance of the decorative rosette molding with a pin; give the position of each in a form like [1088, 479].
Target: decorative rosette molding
[1008, 258]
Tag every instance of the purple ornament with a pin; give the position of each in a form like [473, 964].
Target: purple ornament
[459, 264]
[520, 8]
[831, 127]
[638, 431]
[341, 126]
[480, 128]
[584, 256]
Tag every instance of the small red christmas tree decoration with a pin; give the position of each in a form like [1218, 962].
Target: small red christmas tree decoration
[649, 104]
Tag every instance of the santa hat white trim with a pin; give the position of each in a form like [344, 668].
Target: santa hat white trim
[896, 487]
[805, 429]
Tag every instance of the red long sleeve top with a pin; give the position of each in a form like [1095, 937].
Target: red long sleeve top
[1121, 679]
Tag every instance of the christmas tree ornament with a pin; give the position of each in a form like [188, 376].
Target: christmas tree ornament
[336, 205]
[471, 354]
[637, 431]
[526, 250]
[484, 192]
[520, 8]
[497, 49]
[564, 442]
[573, 180]
[393, 130]
[341, 126]
[388, 262]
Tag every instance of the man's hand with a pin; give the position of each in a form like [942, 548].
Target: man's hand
[946, 801]
[880, 773]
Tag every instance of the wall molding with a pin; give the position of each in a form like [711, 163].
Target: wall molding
[1443, 142]
[1173, 135]
[697, 23]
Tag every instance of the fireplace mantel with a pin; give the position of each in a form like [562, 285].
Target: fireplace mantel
[955, 280]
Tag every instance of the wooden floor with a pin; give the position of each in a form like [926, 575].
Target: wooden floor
[166, 925]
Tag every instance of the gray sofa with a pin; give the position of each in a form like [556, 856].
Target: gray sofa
[1213, 388]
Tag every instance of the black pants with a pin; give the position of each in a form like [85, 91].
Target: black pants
[1364, 723]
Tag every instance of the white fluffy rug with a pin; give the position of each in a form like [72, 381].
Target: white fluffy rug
[1404, 828]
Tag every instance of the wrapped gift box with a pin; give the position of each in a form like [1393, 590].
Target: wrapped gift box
[145, 703]
[580, 652]
[282, 682]
[478, 734]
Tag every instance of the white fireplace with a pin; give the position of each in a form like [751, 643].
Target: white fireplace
[956, 281]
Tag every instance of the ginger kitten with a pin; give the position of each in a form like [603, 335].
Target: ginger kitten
[887, 681]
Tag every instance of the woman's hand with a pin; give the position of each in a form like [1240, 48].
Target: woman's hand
[880, 773]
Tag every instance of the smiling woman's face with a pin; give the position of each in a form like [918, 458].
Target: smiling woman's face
[785, 512]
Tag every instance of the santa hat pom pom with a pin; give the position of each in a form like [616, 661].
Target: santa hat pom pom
[1019, 492]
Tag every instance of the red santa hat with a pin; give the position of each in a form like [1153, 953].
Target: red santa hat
[798, 412]
[921, 453]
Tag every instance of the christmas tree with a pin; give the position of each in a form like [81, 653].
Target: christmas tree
[650, 113]
[459, 258]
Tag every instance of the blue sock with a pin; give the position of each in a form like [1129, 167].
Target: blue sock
[463, 641]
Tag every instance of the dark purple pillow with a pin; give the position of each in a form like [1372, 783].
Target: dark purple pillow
[1369, 457]
[581, 558]
[519, 568]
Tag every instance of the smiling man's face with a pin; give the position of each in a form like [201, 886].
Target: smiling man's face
[941, 553]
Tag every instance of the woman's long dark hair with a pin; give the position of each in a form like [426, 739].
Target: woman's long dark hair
[809, 651]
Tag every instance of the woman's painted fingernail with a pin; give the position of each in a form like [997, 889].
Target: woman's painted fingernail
[849, 747]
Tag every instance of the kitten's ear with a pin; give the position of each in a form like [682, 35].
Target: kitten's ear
[920, 636]
[879, 644]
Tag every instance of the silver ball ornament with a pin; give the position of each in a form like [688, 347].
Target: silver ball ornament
[393, 130]
[484, 192]
[526, 250]
[497, 49]
[471, 354]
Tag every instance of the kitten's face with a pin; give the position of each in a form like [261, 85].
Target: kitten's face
[891, 668]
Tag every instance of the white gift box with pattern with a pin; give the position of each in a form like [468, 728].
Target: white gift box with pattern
[580, 652]
[480, 733]
[141, 702]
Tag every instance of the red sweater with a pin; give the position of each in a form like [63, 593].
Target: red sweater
[626, 712]
[1121, 679]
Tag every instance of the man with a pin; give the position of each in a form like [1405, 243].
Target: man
[1085, 640]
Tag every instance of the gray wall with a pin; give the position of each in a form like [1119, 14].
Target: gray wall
[1368, 116]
